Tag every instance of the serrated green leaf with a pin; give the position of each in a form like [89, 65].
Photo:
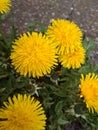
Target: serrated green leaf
[85, 69]
[58, 108]
[31, 26]
[62, 121]
[2, 90]
[42, 28]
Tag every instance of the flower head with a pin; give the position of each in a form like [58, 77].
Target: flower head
[65, 34]
[89, 91]
[33, 55]
[73, 58]
[5, 6]
[22, 113]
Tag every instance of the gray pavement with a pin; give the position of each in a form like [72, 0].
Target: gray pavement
[82, 12]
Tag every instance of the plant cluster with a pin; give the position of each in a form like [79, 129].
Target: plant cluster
[47, 79]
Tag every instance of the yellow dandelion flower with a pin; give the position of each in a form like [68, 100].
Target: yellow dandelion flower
[64, 34]
[73, 58]
[33, 55]
[89, 91]
[5, 6]
[22, 113]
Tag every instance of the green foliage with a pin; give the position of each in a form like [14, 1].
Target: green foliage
[59, 93]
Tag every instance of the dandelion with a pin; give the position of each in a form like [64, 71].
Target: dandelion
[89, 91]
[65, 34]
[22, 112]
[5, 6]
[33, 55]
[73, 59]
